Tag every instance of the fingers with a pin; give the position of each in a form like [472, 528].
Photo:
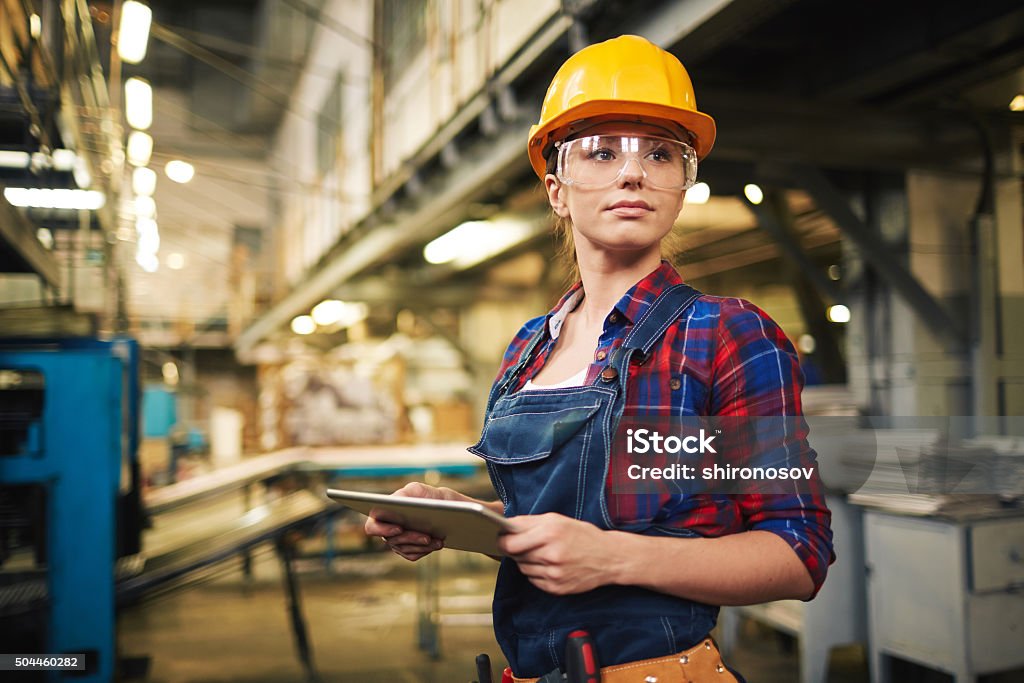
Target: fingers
[375, 527]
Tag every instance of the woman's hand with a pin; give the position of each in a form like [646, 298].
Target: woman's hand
[560, 555]
[412, 545]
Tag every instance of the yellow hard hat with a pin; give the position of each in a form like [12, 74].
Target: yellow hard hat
[620, 79]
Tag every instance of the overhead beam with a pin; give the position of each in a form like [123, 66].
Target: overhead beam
[18, 234]
[775, 218]
[944, 326]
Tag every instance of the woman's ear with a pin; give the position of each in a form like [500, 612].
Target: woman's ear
[556, 195]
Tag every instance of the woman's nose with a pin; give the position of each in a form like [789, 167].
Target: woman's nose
[632, 172]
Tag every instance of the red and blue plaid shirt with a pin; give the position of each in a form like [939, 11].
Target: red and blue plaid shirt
[725, 357]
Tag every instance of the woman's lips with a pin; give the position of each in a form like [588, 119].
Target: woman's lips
[627, 209]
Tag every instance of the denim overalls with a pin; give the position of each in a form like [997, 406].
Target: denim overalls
[548, 451]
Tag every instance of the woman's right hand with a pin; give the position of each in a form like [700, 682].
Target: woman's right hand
[412, 545]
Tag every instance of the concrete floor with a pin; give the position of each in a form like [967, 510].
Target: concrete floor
[362, 621]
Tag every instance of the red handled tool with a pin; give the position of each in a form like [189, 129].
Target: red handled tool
[581, 665]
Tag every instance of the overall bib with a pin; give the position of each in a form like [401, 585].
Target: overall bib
[548, 451]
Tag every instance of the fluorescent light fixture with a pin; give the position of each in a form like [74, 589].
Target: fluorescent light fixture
[144, 181]
[148, 262]
[81, 173]
[1017, 103]
[10, 158]
[175, 261]
[63, 159]
[753, 193]
[475, 241]
[145, 207]
[148, 236]
[140, 148]
[179, 171]
[138, 103]
[303, 324]
[838, 314]
[45, 198]
[328, 312]
[133, 34]
[698, 194]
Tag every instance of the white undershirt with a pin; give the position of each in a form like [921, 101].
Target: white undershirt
[576, 380]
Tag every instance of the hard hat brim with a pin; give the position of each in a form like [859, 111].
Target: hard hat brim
[543, 136]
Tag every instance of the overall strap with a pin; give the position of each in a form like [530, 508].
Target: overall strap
[651, 326]
[513, 370]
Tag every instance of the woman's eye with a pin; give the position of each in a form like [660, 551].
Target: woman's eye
[662, 155]
[602, 154]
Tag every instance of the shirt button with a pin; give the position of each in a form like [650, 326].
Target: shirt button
[601, 355]
[675, 383]
[613, 318]
[609, 373]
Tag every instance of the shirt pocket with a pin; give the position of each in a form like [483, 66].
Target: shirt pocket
[530, 434]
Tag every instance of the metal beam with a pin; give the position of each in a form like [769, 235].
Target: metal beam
[879, 255]
[19, 234]
[775, 218]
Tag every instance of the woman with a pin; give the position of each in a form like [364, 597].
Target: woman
[616, 148]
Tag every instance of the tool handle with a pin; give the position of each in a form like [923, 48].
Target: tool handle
[483, 668]
[506, 675]
[581, 665]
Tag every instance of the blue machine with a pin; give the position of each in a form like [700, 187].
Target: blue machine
[67, 459]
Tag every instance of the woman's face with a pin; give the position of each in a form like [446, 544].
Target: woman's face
[629, 215]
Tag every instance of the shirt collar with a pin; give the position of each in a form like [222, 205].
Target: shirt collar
[633, 304]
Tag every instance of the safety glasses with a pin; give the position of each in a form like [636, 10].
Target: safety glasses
[601, 160]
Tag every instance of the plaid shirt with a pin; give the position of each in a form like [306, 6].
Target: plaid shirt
[725, 357]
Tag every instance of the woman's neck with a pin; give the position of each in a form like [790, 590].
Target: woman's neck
[607, 277]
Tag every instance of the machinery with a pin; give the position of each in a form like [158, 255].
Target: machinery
[69, 500]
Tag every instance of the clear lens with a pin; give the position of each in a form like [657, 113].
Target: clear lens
[600, 160]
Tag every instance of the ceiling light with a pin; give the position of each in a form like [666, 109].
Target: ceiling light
[10, 158]
[35, 26]
[148, 262]
[806, 343]
[81, 173]
[45, 238]
[140, 148]
[144, 181]
[148, 236]
[303, 324]
[63, 159]
[328, 312]
[838, 314]
[179, 171]
[133, 34]
[1017, 103]
[753, 193]
[698, 194]
[170, 372]
[138, 103]
[45, 198]
[175, 261]
[474, 241]
[145, 207]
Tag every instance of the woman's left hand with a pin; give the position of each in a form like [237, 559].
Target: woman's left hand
[558, 554]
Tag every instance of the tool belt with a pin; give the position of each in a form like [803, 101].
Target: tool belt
[702, 663]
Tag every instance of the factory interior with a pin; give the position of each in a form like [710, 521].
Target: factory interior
[251, 250]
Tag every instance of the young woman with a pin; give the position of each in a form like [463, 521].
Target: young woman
[617, 147]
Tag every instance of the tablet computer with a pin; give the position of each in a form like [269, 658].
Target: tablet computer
[464, 526]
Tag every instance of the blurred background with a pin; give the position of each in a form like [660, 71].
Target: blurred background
[254, 248]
